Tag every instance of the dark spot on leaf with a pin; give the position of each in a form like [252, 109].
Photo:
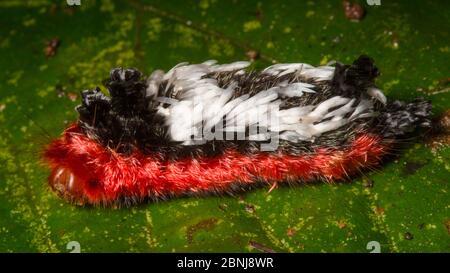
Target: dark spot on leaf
[442, 123]
[252, 55]
[447, 226]
[259, 14]
[261, 247]
[61, 232]
[438, 141]
[408, 236]
[70, 10]
[379, 211]
[207, 225]
[291, 232]
[52, 46]
[411, 167]
[236, 239]
[250, 208]
[353, 11]
[440, 134]
[53, 9]
[342, 224]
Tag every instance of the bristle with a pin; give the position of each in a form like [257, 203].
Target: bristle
[109, 176]
[203, 128]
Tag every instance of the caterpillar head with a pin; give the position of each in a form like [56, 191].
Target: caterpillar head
[98, 148]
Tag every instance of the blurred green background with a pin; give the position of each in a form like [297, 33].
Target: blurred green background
[404, 205]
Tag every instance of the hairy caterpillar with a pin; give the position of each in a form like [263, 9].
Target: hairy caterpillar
[208, 128]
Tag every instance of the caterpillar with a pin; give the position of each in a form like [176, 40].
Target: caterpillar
[213, 128]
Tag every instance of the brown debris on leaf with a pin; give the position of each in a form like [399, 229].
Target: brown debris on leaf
[438, 141]
[440, 134]
[72, 96]
[447, 225]
[261, 247]
[259, 14]
[342, 224]
[252, 54]
[291, 232]
[353, 11]
[379, 211]
[52, 47]
[443, 122]
[206, 225]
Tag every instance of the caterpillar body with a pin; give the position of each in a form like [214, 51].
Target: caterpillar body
[208, 128]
